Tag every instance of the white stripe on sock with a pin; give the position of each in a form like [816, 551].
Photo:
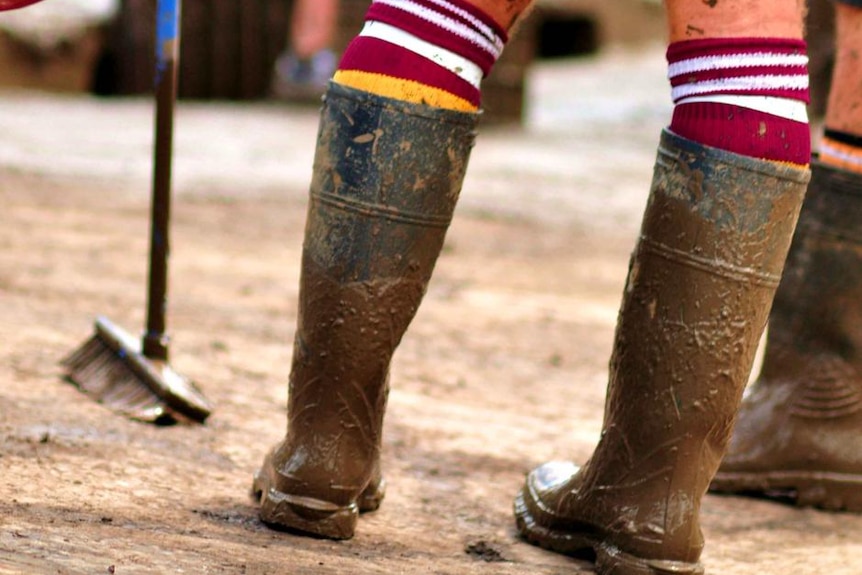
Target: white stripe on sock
[458, 65]
[453, 26]
[795, 110]
[489, 32]
[741, 84]
[730, 61]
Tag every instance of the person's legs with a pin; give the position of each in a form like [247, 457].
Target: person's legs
[397, 126]
[799, 433]
[303, 70]
[312, 26]
[729, 180]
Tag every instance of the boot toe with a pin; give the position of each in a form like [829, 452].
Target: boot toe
[546, 516]
[537, 510]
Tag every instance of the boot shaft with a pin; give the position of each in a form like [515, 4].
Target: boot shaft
[387, 176]
[817, 307]
[713, 242]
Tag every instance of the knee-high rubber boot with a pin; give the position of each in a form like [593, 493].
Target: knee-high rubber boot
[799, 432]
[715, 233]
[387, 175]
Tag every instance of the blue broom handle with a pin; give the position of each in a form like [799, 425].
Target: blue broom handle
[167, 35]
[155, 340]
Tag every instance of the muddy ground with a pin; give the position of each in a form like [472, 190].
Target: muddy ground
[504, 367]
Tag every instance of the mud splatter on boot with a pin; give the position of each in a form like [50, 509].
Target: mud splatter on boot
[713, 242]
[387, 175]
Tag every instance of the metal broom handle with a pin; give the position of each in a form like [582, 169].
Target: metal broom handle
[155, 340]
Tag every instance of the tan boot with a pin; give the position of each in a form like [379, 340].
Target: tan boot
[387, 175]
[799, 433]
[713, 241]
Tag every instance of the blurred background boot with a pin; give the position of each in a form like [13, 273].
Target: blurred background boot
[799, 433]
[301, 80]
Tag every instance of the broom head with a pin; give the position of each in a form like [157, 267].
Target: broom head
[111, 369]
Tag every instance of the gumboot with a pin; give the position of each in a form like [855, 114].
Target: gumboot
[799, 432]
[715, 234]
[387, 176]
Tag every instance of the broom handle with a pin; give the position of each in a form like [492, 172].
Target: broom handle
[155, 340]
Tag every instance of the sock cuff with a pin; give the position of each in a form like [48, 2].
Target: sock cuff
[688, 49]
[744, 131]
[377, 57]
[454, 25]
[773, 67]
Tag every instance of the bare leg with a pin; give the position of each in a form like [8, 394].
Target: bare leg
[312, 26]
[844, 108]
[691, 20]
[505, 12]
[302, 71]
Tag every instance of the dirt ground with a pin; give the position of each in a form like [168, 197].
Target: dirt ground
[504, 367]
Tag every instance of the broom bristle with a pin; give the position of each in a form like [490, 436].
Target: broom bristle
[101, 372]
[111, 368]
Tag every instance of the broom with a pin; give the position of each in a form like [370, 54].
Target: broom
[134, 378]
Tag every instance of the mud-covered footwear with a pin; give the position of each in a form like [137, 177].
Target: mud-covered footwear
[308, 514]
[555, 485]
[798, 436]
[713, 242]
[387, 175]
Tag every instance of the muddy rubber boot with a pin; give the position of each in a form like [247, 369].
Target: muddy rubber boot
[387, 175]
[713, 241]
[799, 432]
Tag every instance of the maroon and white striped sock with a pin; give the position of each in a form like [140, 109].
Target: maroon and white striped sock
[432, 52]
[743, 95]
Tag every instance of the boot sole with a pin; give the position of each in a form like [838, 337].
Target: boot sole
[305, 515]
[821, 490]
[309, 515]
[610, 560]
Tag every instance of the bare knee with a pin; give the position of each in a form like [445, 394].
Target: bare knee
[505, 12]
[690, 20]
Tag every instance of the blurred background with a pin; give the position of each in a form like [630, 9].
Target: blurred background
[105, 47]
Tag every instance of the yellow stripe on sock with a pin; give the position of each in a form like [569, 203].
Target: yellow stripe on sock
[400, 89]
[840, 155]
[790, 164]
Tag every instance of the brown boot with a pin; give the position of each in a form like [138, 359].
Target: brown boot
[713, 241]
[799, 434]
[387, 175]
